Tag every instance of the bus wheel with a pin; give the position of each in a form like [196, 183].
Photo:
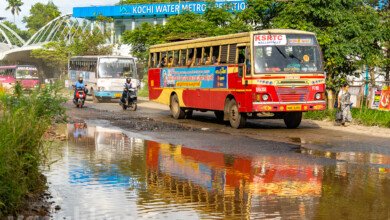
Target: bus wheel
[237, 120]
[219, 115]
[292, 119]
[177, 112]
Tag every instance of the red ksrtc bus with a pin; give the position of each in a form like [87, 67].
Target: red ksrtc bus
[264, 74]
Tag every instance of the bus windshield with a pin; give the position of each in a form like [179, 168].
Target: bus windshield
[26, 73]
[117, 68]
[291, 54]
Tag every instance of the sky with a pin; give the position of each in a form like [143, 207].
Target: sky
[65, 6]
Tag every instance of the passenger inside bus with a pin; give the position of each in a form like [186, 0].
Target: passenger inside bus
[189, 62]
[170, 62]
[163, 62]
[208, 61]
[214, 60]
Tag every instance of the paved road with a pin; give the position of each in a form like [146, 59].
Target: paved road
[324, 136]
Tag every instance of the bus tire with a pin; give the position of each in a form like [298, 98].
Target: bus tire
[292, 119]
[236, 119]
[219, 115]
[176, 111]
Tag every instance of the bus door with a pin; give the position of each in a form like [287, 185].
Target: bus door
[242, 77]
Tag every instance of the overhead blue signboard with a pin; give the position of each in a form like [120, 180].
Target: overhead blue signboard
[151, 10]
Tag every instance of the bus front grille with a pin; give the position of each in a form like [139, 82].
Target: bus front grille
[290, 94]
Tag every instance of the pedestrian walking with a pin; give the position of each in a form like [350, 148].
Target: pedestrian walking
[344, 105]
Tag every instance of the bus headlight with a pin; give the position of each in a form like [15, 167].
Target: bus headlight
[318, 96]
[265, 97]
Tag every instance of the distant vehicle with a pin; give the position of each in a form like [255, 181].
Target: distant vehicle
[264, 74]
[130, 100]
[27, 75]
[105, 75]
[79, 98]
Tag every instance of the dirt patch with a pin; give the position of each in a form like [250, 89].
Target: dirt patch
[135, 122]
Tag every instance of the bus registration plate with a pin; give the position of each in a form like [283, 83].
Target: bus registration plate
[118, 95]
[294, 107]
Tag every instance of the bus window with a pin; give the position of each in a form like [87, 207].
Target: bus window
[215, 56]
[191, 57]
[176, 58]
[224, 54]
[183, 57]
[151, 60]
[248, 71]
[158, 55]
[241, 55]
[207, 56]
[163, 60]
[198, 54]
[170, 59]
[232, 53]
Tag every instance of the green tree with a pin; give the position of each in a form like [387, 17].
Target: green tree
[40, 15]
[261, 13]
[24, 34]
[188, 25]
[385, 18]
[57, 53]
[348, 32]
[14, 6]
[143, 37]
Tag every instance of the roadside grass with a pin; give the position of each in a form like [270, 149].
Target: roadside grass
[364, 116]
[24, 118]
[144, 92]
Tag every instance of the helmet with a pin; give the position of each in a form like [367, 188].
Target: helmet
[128, 79]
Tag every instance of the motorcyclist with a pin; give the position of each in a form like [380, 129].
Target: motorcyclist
[80, 85]
[128, 85]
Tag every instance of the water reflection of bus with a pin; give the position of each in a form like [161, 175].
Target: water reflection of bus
[27, 75]
[104, 75]
[230, 185]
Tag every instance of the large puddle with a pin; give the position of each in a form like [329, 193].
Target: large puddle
[101, 173]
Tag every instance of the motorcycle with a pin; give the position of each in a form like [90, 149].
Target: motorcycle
[130, 100]
[80, 97]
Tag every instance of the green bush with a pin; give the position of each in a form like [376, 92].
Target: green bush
[371, 117]
[144, 92]
[364, 116]
[328, 114]
[24, 118]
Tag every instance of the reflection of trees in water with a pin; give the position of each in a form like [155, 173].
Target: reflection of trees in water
[361, 192]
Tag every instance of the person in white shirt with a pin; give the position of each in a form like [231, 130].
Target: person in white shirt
[344, 104]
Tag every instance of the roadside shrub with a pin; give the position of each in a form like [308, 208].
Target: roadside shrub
[24, 118]
[329, 114]
[371, 117]
[144, 92]
[364, 116]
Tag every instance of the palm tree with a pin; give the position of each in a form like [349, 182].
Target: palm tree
[14, 6]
